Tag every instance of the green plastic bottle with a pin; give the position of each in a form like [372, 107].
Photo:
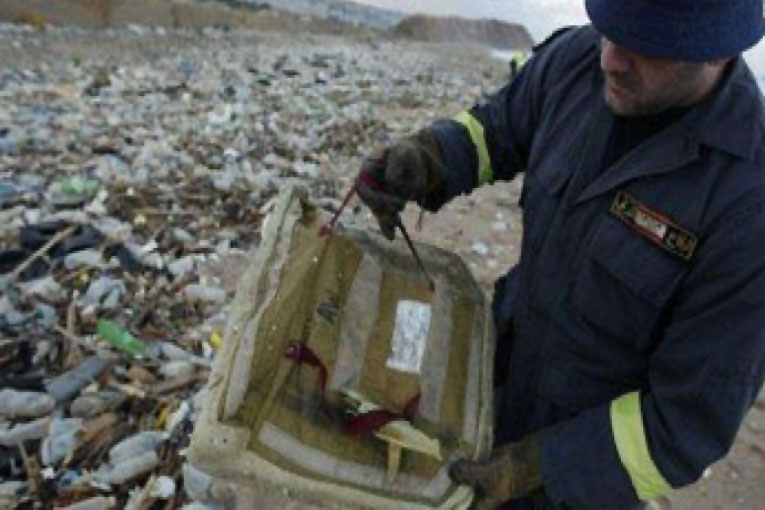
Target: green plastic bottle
[120, 338]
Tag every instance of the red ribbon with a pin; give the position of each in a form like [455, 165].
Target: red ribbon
[365, 423]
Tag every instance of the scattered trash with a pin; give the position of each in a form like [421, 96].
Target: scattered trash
[34, 430]
[197, 483]
[129, 468]
[136, 445]
[96, 503]
[204, 294]
[62, 440]
[25, 404]
[117, 336]
[66, 385]
[131, 196]
[163, 488]
[216, 340]
[93, 405]
[480, 248]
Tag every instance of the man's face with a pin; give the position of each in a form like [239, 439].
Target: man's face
[640, 85]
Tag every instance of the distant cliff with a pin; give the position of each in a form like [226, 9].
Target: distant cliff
[103, 13]
[164, 13]
[493, 33]
[339, 10]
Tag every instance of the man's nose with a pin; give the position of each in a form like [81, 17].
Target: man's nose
[613, 59]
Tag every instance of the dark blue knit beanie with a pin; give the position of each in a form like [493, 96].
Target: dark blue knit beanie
[689, 30]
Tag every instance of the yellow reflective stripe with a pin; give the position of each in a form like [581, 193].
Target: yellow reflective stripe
[485, 173]
[631, 443]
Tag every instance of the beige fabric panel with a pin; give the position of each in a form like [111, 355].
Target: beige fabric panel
[325, 465]
[268, 266]
[473, 383]
[436, 360]
[357, 324]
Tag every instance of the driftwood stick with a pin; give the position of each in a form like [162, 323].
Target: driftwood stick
[39, 253]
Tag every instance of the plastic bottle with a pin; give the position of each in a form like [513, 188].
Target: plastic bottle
[69, 384]
[62, 440]
[117, 336]
[37, 429]
[133, 467]
[196, 483]
[25, 404]
[97, 503]
[136, 445]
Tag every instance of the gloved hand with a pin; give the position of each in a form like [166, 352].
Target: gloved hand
[512, 472]
[409, 170]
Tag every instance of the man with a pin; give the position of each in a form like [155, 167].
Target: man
[631, 334]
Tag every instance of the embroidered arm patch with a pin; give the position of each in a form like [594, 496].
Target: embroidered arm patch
[654, 226]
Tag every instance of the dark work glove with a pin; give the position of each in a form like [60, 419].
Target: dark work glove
[409, 170]
[512, 472]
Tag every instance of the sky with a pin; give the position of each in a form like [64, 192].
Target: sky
[541, 17]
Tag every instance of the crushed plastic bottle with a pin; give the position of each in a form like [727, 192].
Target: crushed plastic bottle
[73, 191]
[33, 430]
[62, 440]
[163, 488]
[204, 294]
[117, 336]
[25, 404]
[196, 483]
[69, 384]
[132, 467]
[135, 446]
[177, 368]
[96, 503]
[94, 404]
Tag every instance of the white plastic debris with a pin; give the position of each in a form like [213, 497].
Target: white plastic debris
[175, 353]
[181, 267]
[96, 503]
[163, 488]
[196, 483]
[104, 293]
[93, 404]
[204, 294]
[25, 404]
[46, 288]
[182, 236]
[68, 384]
[480, 248]
[135, 446]
[499, 226]
[174, 369]
[181, 414]
[132, 467]
[11, 488]
[199, 399]
[22, 432]
[201, 506]
[62, 440]
[89, 259]
[147, 254]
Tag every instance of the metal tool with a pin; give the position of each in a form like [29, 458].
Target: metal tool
[329, 227]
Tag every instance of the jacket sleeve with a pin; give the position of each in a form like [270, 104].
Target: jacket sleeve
[492, 140]
[703, 377]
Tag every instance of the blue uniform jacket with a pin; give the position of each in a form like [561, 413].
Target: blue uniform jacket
[633, 326]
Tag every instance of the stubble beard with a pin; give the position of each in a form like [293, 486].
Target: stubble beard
[626, 97]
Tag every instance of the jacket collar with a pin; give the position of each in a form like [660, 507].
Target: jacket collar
[732, 116]
[730, 119]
